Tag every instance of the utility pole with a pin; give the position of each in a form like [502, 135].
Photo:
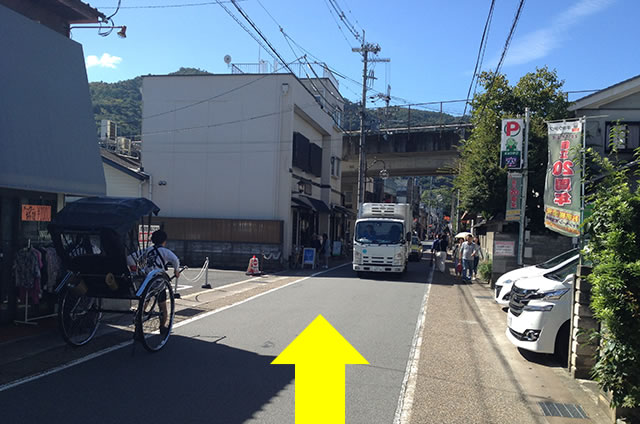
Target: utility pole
[525, 178]
[364, 49]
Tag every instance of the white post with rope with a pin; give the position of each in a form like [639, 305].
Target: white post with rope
[206, 284]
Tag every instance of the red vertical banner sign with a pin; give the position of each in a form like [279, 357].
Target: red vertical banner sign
[514, 196]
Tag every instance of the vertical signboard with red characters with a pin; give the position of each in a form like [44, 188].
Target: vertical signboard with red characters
[511, 143]
[514, 196]
[562, 192]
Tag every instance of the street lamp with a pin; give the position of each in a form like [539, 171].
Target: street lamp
[384, 172]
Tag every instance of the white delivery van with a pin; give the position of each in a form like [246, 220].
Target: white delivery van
[382, 238]
[540, 311]
[505, 282]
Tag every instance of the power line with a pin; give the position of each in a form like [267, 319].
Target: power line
[483, 43]
[256, 29]
[344, 19]
[337, 23]
[235, 121]
[351, 13]
[509, 37]
[235, 18]
[167, 6]
[504, 50]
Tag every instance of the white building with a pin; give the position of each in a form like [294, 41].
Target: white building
[123, 175]
[245, 146]
[615, 106]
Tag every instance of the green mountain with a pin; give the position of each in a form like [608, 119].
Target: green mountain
[394, 117]
[121, 102]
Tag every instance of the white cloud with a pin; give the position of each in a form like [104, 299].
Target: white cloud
[538, 44]
[105, 61]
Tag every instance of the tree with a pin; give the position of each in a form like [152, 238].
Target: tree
[481, 180]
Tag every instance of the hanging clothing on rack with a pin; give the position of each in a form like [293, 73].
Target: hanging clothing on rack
[27, 269]
[54, 269]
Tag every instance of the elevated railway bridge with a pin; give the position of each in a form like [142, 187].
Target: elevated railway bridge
[415, 151]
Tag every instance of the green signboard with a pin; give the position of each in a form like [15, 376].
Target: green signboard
[514, 196]
[562, 192]
[511, 143]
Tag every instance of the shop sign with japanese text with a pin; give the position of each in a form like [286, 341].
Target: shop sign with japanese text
[504, 248]
[40, 213]
[514, 196]
[562, 192]
[511, 143]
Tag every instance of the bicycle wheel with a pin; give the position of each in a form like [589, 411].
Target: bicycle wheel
[154, 317]
[78, 317]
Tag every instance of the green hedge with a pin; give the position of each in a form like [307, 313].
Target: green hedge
[614, 249]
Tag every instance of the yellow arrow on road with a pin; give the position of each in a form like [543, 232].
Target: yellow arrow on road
[320, 354]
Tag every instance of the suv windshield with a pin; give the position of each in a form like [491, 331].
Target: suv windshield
[379, 232]
[562, 273]
[558, 259]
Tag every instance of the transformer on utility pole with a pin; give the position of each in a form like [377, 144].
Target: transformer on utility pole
[364, 49]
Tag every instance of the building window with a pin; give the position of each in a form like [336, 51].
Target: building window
[337, 115]
[626, 137]
[348, 197]
[335, 166]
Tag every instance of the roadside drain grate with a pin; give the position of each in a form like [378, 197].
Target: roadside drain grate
[567, 410]
[188, 312]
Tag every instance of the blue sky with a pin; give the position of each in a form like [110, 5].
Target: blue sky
[432, 44]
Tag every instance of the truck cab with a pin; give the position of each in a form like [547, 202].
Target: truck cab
[382, 236]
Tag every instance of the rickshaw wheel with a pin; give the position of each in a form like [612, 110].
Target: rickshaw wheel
[149, 317]
[78, 317]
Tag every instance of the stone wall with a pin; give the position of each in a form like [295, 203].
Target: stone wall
[228, 255]
[582, 351]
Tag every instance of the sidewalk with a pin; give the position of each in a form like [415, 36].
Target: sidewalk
[468, 371]
[27, 350]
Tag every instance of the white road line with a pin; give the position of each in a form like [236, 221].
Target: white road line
[407, 392]
[219, 288]
[206, 314]
[64, 366]
[99, 353]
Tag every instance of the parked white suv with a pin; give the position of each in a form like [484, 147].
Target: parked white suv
[540, 311]
[505, 282]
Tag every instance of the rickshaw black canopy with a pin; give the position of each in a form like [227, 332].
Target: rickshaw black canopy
[116, 213]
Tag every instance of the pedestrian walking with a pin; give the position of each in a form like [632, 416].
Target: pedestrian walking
[467, 253]
[457, 259]
[435, 248]
[478, 255]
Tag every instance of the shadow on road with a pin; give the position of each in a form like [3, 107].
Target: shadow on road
[192, 380]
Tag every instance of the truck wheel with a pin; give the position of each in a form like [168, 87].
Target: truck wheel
[360, 274]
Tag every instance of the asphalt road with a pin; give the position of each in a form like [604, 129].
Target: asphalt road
[217, 369]
[436, 351]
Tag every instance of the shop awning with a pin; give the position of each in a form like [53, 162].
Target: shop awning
[342, 210]
[301, 202]
[48, 134]
[319, 205]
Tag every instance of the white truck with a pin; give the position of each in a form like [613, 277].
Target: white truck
[382, 238]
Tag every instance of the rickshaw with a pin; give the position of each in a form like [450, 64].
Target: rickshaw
[98, 241]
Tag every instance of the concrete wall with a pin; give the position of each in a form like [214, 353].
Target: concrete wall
[543, 247]
[230, 156]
